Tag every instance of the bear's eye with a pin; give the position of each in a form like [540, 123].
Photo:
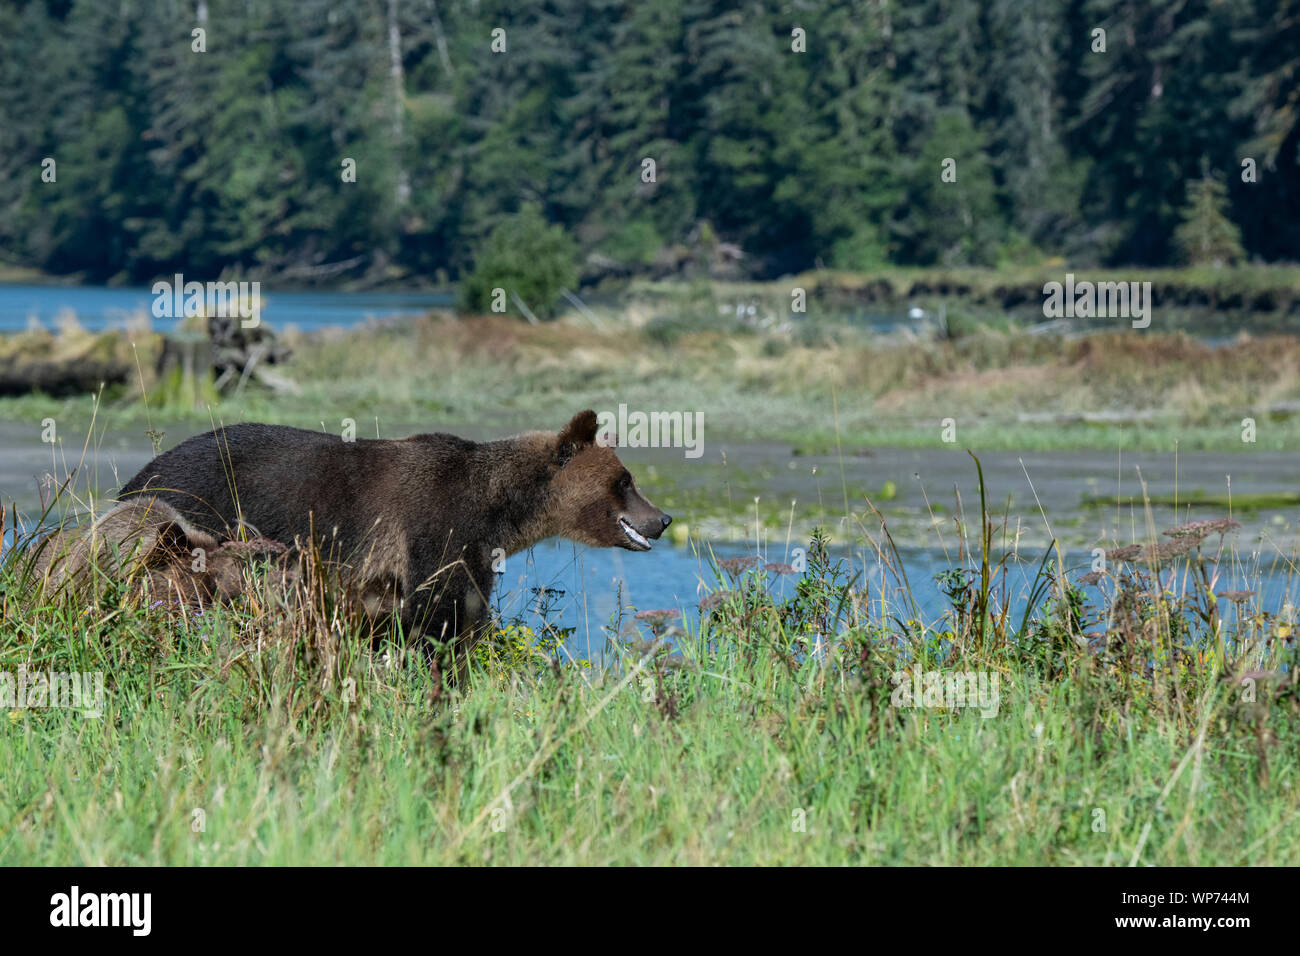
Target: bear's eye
[625, 483]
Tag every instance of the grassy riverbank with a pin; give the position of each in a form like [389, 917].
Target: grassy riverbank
[777, 733]
[1155, 728]
[818, 382]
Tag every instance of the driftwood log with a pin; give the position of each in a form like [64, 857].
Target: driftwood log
[79, 362]
[60, 376]
[233, 353]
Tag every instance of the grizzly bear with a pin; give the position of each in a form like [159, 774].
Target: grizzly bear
[147, 541]
[417, 522]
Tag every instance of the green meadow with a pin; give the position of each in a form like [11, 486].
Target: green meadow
[1153, 729]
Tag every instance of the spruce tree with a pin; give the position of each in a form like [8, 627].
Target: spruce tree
[1207, 235]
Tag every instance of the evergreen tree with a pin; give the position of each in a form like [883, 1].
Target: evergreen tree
[951, 216]
[1266, 190]
[1156, 109]
[1039, 185]
[1206, 235]
[625, 109]
[231, 160]
[835, 154]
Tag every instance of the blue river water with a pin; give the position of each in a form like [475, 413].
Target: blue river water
[589, 585]
[585, 588]
[97, 307]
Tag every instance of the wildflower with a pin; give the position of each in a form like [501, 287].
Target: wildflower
[1155, 553]
[1172, 549]
[1200, 530]
[657, 620]
[1236, 597]
[710, 601]
[1092, 578]
[779, 567]
[737, 566]
[647, 648]
[657, 616]
[1195, 531]
[1126, 553]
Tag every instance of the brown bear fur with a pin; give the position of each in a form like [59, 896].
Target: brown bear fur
[416, 521]
[147, 541]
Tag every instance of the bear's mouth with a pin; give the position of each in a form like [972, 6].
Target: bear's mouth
[639, 541]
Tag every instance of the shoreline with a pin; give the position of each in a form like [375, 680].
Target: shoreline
[1089, 498]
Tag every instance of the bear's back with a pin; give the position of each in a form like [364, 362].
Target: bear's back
[287, 481]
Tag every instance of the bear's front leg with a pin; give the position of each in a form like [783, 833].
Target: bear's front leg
[447, 628]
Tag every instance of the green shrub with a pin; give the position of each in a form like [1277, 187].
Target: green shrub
[526, 256]
[635, 243]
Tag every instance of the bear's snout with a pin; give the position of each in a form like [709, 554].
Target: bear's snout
[639, 531]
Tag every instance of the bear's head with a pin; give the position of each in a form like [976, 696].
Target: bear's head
[133, 539]
[189, 567]
[594, 498]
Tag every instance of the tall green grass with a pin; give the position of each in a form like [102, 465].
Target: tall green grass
[271, 732]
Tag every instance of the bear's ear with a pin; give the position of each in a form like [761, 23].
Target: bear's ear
[171, 543]
[577, 435]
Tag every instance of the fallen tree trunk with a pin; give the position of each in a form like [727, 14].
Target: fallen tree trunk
[60, 377]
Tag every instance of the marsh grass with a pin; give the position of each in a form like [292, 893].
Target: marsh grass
[1007, 389]
[272, 731]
